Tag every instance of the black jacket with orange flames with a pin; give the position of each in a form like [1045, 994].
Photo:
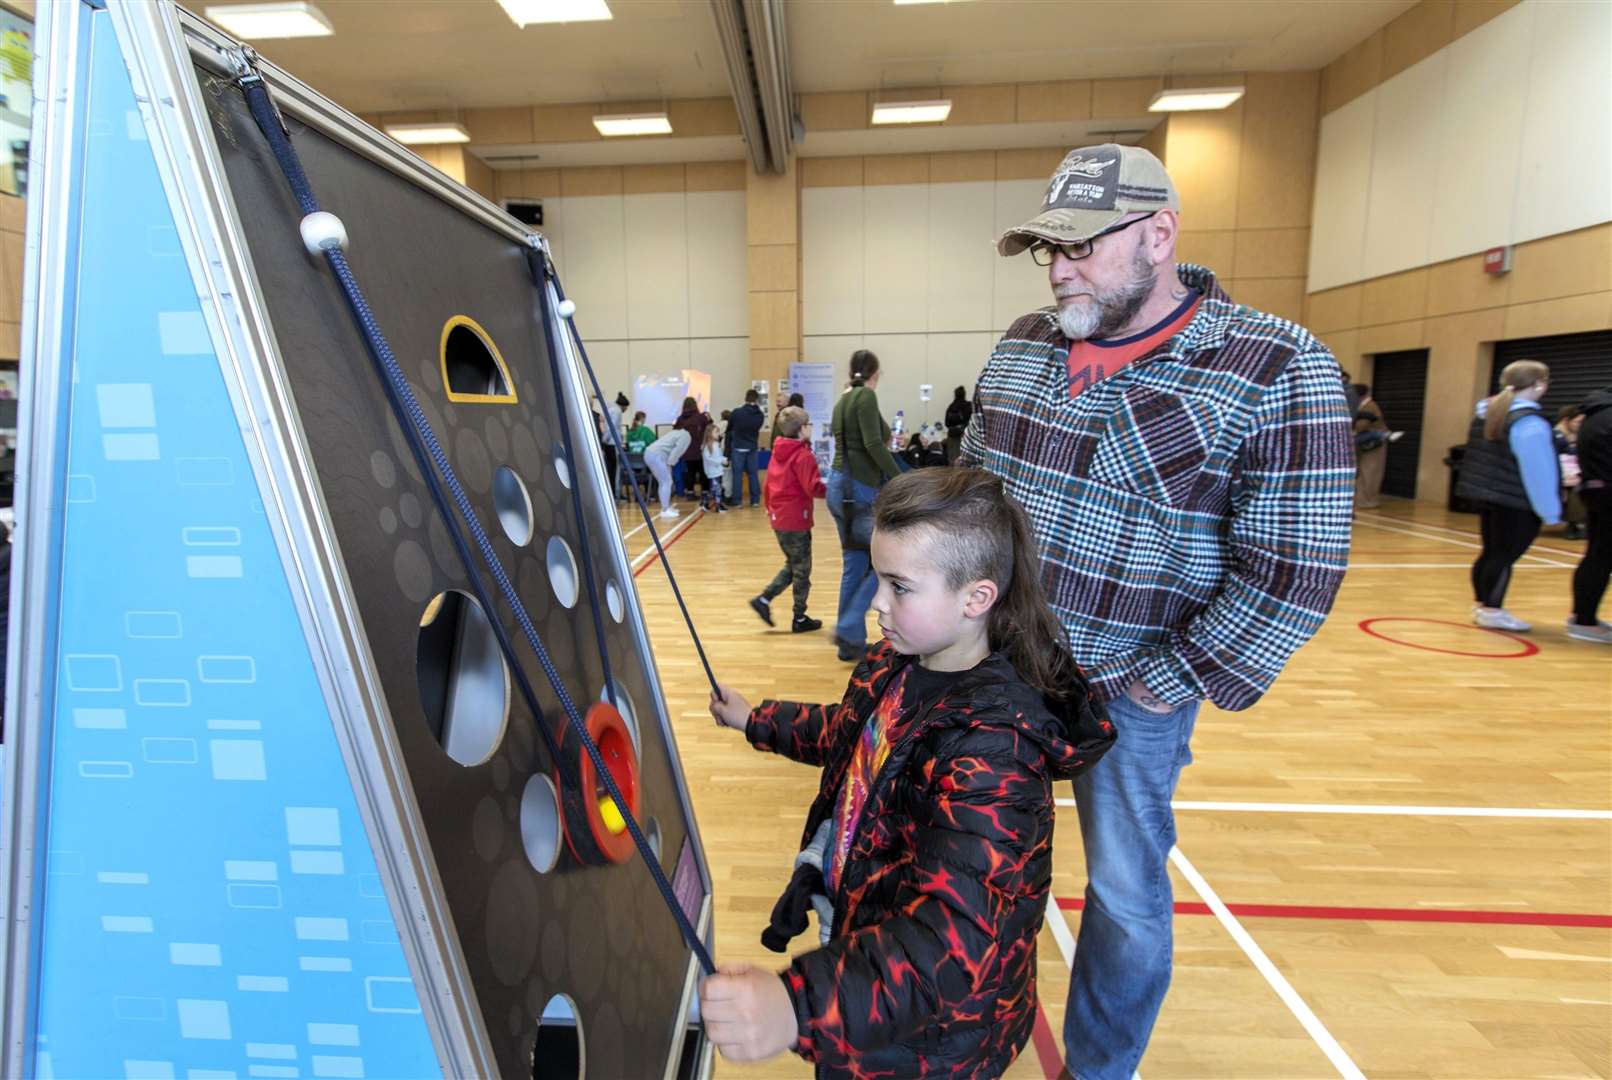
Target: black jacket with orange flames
[931, 968]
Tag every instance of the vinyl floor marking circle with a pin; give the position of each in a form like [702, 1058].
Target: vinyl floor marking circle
[1528, 647]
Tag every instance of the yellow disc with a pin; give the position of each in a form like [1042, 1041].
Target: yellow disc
[612, 816]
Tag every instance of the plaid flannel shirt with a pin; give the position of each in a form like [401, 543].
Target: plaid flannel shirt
[1192, 508]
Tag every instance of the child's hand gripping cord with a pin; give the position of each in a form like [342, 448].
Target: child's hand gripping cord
[729, 708]
[748, 1014]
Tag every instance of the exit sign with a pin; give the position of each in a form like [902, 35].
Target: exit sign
[1497, 260]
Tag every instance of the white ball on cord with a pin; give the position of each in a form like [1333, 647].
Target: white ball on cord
[322, 231]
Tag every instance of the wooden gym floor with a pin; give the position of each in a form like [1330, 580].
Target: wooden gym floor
[1398, 864]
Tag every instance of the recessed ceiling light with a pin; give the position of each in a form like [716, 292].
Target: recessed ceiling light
[633, 124]
[427, 134]
[284, 19]
[911, 112]
[1203, 97]
[526, 12]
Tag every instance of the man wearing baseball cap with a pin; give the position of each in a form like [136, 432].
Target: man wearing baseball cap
[1188, 465]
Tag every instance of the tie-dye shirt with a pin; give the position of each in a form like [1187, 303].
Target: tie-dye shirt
[903, 698]
[872, 748]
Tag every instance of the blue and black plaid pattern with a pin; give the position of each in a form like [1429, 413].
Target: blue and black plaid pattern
[1192, 508]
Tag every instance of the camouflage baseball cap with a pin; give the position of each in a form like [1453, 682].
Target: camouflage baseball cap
[1094, 188]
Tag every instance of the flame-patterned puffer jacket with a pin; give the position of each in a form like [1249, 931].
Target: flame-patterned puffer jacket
[931, 968]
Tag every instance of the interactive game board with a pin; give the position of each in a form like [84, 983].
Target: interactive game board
[276, 802]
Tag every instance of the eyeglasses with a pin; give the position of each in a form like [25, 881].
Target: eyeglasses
[1042, 250]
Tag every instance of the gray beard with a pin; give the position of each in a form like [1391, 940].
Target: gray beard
[1113, 310]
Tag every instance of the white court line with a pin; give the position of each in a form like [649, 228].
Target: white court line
[628, 536]
[1284, 990]
[1456, 532]
[1062, 934]
[1406, 811]
[1450, 540]
[666, 538]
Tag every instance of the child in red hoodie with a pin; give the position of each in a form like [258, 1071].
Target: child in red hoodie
[792, 483]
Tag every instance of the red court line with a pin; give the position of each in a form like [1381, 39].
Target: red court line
[1382, 914]
[1047, 1047]
[666, 544]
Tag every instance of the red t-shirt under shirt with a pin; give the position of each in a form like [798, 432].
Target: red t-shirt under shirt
[1093, 360]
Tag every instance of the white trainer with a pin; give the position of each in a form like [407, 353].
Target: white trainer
[1500, 619]
[671, 512]
[1601, 632]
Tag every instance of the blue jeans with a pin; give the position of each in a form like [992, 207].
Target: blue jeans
[744, 463]
[858, 582]
[1122, 955]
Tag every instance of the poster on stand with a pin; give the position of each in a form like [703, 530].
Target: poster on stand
[815, 383]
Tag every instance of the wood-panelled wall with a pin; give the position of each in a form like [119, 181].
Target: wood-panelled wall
[1005, 103]
[618, 180]
[772, 238]
[1557, 285]
[1245, 176]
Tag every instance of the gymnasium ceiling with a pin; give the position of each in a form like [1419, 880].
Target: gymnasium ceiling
[444, 54]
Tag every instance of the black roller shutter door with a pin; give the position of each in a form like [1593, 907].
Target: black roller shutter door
[1580, 364]
[1399, 386]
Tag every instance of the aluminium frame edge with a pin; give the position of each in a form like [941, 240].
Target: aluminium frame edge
[62, 38]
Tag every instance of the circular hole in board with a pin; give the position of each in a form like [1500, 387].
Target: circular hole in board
[514, 505]
[560, 1051]
[462, 678]
[563, 575]
[562, 467]
[540, 823]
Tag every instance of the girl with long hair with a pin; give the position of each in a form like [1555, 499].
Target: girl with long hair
[862, 464]
[927, 853]
[1510, 470]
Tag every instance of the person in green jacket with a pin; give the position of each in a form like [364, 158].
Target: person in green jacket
[862, 463]
[639, 436]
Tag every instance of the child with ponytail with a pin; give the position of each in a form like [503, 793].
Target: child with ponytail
[927, 854]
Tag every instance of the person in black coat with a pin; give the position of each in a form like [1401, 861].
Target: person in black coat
[693, 420]
[1595, 488]
[958, 414]
[744, 451]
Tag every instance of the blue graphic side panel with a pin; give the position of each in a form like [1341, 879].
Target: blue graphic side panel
[212, 907]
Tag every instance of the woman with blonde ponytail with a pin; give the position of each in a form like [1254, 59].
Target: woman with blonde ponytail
[1511, 471]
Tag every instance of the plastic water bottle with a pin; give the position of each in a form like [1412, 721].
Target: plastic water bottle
[898, 427]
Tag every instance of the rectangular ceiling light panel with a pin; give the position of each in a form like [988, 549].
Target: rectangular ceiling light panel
[526, 12]
[259, 22]
[633, 124]
[1204, 97]
[428, 134]
[911, 112]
